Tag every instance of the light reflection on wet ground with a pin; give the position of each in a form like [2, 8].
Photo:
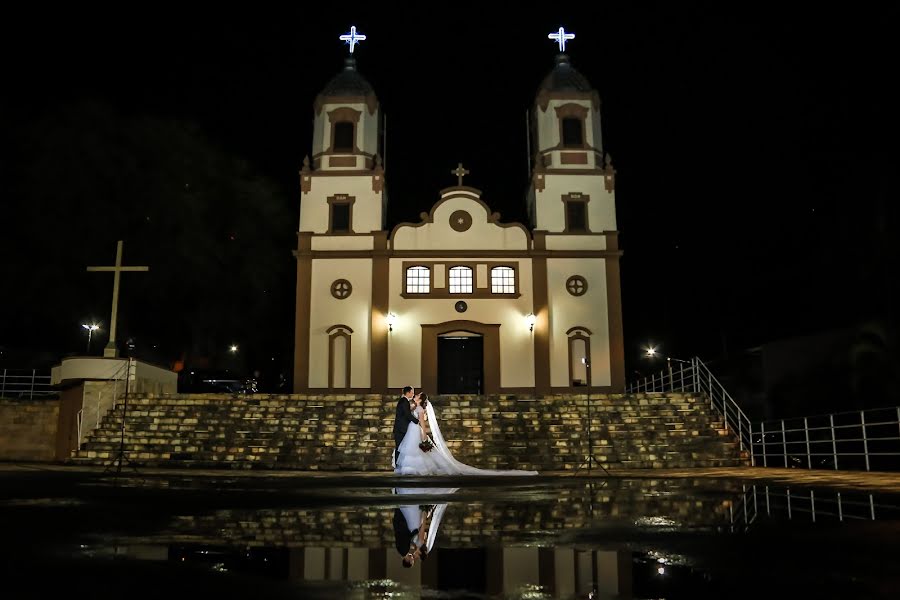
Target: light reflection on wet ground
[179, 536]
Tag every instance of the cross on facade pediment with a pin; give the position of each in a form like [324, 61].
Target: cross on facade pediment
[460, 172]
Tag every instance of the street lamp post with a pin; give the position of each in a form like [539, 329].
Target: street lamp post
[90, 329]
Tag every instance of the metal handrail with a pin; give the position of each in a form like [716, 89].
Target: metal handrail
[25, 383]
[766, 501]
[697, 378]
[769, 441]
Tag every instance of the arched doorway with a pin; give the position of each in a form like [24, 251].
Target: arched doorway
[461, 345]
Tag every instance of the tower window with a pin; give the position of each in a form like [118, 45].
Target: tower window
[572, 132]
[418, 280]
[576, 216]
[503, 280]
[460, 280]
[340, 217]
[343, 137]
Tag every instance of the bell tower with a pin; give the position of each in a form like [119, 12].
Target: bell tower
[342, 188]
[572, 208]
[341, 242]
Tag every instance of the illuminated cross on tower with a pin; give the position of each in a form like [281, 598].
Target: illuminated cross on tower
[560, 38]
[352, 38]
[460, 172]
[110, 350]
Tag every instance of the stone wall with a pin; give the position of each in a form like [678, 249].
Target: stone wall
[28, 429]
[354, 432]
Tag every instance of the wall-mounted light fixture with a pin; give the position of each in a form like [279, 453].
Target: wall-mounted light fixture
[391, 319]
[530, 319]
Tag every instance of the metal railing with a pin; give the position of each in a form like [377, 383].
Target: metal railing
[25, 383]
[694, 376]
[848, 440]
[761, 502]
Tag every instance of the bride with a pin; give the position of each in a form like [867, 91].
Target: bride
[439, 460]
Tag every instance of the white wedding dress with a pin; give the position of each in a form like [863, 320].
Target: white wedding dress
[439, 461]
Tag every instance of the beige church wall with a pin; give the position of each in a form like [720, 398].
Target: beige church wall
[354, 312]
[440, 236]
[368, 128]
[551, 210]
[366, 209]
[595, 132]
[322, 125]
[516, 341]
[567, 311]
[342, 242]
[575, 242]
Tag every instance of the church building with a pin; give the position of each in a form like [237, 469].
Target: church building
[460, 302]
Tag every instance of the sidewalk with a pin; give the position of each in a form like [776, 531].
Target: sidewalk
[859, 480]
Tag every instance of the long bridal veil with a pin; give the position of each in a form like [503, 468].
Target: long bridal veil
[444, 450]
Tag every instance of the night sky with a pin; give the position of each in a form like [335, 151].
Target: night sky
[755, 149]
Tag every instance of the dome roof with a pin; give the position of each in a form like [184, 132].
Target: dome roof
[348, 82]
[564, 78]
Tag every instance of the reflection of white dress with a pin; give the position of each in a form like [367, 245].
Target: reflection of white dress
[413, 515]
[439, 461]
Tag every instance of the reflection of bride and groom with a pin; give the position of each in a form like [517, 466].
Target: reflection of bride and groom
[416, 525]
[419, 447]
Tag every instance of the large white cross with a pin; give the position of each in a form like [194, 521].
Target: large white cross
[110, 350]
[560, 37]
[352, 38]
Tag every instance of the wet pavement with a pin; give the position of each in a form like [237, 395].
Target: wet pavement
[685, 534]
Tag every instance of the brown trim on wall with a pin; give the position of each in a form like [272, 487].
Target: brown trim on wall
[572, 111]
[573, 158]
[516, 293]
[345, 114]
[462, 254]
[490, 333]
[341, 161]
[576, 197]
[340, 199]
[378, 353]
[443, 293]
[331, 364]
[301, 322]
[579, 328]
[338, 326]
[470, 194]
[541, 325]
[614, 310]
[544, 97]
[587, 351]
[369, 100]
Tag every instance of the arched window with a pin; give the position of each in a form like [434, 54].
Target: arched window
[572, 132]
[460, 280]
[343, 137]
[418, 280]
[579, 356]
[339, 357]
[503, 280]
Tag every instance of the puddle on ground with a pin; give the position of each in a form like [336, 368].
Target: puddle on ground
[186, 537]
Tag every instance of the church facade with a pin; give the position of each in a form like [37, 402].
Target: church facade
[459, 302]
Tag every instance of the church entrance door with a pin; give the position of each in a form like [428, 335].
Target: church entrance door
[460, 364]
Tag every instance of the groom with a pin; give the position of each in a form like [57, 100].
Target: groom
[402, 419]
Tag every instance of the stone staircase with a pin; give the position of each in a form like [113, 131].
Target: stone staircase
[353, 432]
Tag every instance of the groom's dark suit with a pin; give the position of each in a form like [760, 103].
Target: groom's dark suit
[402, 419]
[402, 535]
